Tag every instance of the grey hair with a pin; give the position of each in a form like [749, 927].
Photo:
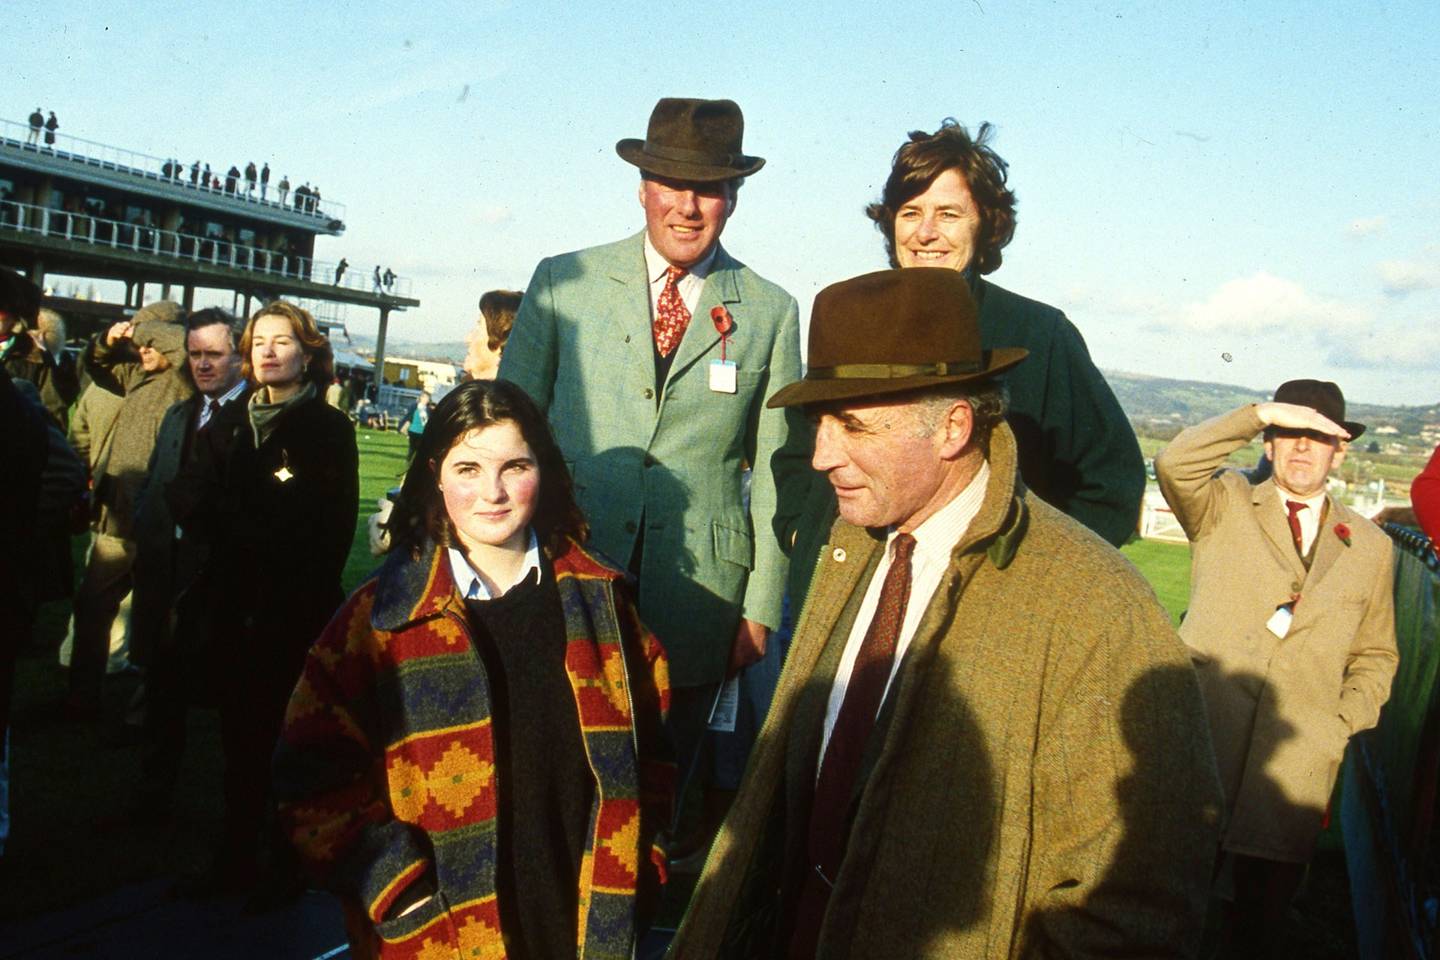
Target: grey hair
[988, 402]
[52, 325]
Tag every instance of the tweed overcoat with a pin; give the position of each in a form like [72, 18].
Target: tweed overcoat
[385, 771]
[582, 348]
[1040, 782]
[1281, 710]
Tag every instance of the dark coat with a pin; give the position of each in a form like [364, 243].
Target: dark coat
[278, 522]
[54, 377]
[166, 564]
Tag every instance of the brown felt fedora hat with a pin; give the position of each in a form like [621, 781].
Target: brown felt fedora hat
[892, 331]
[692, 140]
[1322, 396]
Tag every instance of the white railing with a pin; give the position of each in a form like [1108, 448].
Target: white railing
[27, 218]
[18, 136]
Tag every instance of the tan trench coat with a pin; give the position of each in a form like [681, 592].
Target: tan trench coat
[1281, 710]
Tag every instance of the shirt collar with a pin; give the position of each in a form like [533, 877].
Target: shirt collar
[1312, 502]
[940, 531]
[230, 394]
[656, 264]
[468, 582]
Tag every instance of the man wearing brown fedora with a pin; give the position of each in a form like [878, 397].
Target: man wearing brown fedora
[1292, 629]
[652, 357]
[987, 741]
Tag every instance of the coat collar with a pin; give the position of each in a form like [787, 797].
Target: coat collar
[409, 589]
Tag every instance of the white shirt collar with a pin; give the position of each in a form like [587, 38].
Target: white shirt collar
[942, 530]
[232, 393]
[468, 582]
[656, 264]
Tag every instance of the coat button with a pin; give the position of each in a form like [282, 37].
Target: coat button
[1295, 587]
[649, 394]
[839, 554]
[629, 526]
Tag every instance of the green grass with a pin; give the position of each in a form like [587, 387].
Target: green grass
[382, 466]
[1167, 567]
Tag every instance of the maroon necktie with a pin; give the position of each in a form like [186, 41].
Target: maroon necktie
[671, 317]
[841, 764]
[1295, 506]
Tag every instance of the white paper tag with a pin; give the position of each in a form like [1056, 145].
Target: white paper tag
[1279, 622]
[722, 376]
[727, 706]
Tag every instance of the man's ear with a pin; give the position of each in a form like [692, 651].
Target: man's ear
[956, 430]
[1342, 448]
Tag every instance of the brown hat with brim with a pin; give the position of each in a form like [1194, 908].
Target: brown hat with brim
[1322, 396]
[689, 139]
[893, 331]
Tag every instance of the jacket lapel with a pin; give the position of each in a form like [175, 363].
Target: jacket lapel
[630, 301]
[1328, 545]
[1270, 517]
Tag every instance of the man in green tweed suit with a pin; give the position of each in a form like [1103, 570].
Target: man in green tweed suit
[622, 346]
[987, 741]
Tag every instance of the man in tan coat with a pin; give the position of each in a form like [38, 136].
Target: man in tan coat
[987, 741]
[1291, 627]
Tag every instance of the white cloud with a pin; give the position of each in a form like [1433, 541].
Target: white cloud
[1267, 304]
[1416, 347]
[1399, 277]
[495, 215]
[1365, 226]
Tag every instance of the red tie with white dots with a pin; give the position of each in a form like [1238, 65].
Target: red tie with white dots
[671, 315]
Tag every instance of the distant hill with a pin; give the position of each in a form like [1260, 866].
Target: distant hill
[1160, 407]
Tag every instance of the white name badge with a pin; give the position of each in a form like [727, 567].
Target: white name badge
[722, 376]
[1279, 622]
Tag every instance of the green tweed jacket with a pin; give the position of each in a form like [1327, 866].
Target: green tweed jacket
[581, 347]
[1040, 782]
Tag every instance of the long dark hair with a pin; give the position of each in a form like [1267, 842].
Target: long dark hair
[419, 515]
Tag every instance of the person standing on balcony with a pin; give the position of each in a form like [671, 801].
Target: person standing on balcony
[264, 180]
[232, 179]
[250, 177]
[195, 173]
[51, 126]
[37, 121]
[284, 188]
[1292, 630]
[340, 270]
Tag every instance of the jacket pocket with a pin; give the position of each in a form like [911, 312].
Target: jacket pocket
[733, 545]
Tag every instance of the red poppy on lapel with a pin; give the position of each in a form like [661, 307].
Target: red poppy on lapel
[1343, 532]
[724, 323]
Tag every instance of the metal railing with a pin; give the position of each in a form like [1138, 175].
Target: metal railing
[18, 136]
[26, 218]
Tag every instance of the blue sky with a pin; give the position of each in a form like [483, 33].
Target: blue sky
[1196, 181]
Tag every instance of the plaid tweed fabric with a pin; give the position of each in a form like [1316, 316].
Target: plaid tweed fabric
[386, 767]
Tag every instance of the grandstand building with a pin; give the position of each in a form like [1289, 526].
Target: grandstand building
[87, 210]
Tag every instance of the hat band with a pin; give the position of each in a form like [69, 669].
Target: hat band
[681, 155]
[891, 371]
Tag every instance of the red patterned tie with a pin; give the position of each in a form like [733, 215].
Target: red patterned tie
[1295, 506]
[841, 765]
[671, 317]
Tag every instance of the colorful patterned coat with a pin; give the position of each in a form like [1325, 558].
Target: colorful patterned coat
[385, 770]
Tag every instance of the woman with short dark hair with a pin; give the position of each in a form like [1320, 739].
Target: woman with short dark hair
[473, 758]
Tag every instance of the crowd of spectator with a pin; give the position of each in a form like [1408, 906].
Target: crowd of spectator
[250, 184]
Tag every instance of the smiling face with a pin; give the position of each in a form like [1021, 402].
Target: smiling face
[214, 362]
[1303, 459]
[684, 219]
[276, 354]
[939, 227]
[491, 485]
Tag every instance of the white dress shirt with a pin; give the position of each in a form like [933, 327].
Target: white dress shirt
[688, 286]
[1309, 517]
[472, 587]
[934, 539]
[223, 399]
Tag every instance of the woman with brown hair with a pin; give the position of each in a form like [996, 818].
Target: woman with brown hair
[278, 516]
[473, 761]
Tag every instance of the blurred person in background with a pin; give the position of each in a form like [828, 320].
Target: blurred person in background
[25, 352]
[171, 635]
[272, 499]
[142, 359]
[473, 759]
[412, 424]
[486, 340]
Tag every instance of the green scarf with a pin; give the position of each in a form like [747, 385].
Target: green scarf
[264, 416]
